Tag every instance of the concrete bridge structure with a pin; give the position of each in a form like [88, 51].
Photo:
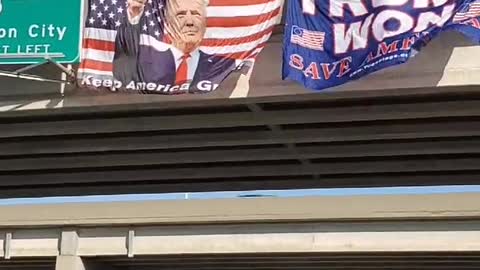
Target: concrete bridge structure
[358, 232]
[416, 124]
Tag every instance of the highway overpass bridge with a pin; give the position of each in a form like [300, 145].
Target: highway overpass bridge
[357, 232]
[415, 124]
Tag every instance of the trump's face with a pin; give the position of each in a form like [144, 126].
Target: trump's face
[187, 23]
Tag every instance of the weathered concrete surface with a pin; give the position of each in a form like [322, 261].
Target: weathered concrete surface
[415, 223]
[385, 207]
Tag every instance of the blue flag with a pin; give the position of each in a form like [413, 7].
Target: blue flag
[330, 42]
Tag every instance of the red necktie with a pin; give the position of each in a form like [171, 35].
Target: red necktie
[182, 71]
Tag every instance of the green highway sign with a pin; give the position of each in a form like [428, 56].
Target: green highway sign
[31, 30]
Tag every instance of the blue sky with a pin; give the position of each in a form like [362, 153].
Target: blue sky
[224, 195]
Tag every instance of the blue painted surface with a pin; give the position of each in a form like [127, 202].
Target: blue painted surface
[246, 194]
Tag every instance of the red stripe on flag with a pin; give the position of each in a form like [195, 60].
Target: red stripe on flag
[104, 66]
[212, 42]
[209, 42]
[98, 44]
[96, 65]
[241, 20]
[238, 2]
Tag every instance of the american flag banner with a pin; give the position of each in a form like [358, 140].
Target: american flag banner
[172, 46]
[471, 11]
[307, 38]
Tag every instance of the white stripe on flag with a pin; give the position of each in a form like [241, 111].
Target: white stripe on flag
[98, 55]
[100, 34]
[212, 32]
[238, 32]
[473, 11]
[251, 10]
[82, 71]
[235, 48]
[161, 46]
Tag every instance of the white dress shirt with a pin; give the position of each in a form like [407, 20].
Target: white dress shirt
[192, 61]
[134, 20]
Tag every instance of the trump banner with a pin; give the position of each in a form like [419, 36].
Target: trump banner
[328, 43]
[172, 46]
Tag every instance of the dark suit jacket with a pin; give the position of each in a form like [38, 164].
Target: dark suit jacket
[133, 62]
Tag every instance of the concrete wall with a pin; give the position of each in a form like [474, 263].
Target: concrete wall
[337, 224]
[403, 207]
[74, 233]
[398, 236]
[449, 60]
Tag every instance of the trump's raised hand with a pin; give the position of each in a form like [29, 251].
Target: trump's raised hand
[135, 8]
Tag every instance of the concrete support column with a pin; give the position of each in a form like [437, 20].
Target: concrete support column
[67, 262]
[68, 259]
[69, 243]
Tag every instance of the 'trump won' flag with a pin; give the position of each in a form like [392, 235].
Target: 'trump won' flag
[172, 46]
[328, 43]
